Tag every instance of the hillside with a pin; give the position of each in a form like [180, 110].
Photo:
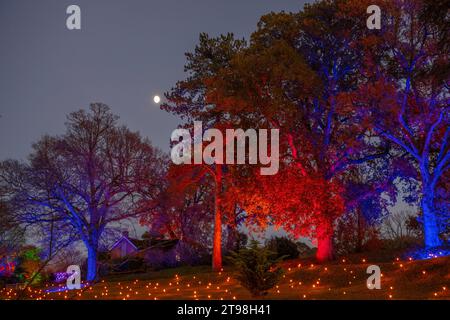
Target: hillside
[343, 279]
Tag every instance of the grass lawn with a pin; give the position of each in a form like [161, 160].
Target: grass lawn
[342, 279]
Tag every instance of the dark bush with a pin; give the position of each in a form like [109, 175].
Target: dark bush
[179, 255]
[354, 234]
[257, 269]
[304, 250]
[130, 265]
[283, 247]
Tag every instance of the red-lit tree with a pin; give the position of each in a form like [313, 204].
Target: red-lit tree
[291, 78]
[187, 100]
[184, 208]
[290, 200]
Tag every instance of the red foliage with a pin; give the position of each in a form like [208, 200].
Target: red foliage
[301, 205]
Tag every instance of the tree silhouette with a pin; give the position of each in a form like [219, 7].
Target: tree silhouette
[87, 179]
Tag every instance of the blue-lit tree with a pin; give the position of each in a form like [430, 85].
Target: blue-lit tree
[407, 99]
[85, 180]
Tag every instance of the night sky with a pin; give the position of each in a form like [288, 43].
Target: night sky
[126, 52]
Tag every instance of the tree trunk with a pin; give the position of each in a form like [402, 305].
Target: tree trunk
[217, 238]
[324, 241]
[92, 248]
[230, 241]
[360, 231]
[430, 223]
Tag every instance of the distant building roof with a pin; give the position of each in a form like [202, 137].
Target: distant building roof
[162, 244]
[152, 243]
[140, 244]
[123, 238]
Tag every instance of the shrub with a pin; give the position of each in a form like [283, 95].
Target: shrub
[257, 269]
[130, 264]
[28, 264]
[161, 259]
[283, 247]
[188, 254]
[305, 251]
[354, 233]
[235, 240]
[180, 254]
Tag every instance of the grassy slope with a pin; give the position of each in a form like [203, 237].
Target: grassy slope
[343, 279]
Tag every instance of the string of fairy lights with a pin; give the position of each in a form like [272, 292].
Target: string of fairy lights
[224, 287]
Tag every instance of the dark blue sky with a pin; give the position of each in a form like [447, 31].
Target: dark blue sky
[126, 52]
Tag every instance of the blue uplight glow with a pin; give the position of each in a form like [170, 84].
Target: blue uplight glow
[424, 254]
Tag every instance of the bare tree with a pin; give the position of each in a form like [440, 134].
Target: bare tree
[85, 180]
[396, 226]
[11, 234]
